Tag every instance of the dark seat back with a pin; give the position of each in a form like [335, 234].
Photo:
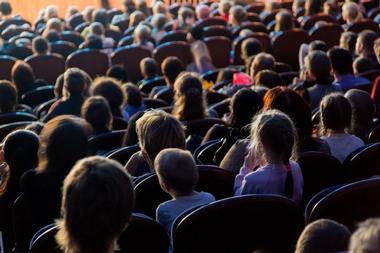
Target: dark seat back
[106, 142]
[47, 67]
[83, 58]
[38, 96]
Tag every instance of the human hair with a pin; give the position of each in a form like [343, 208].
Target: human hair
[129, 6]
[74, 81]
[225, 6]
[112, 91]
[63, 141]
[118, 72]
[54, 24]
[318, 45]
[52, 36]
[87, 13]
[348, 41]
[245, 103]
[185, 13]
[158, 21]
[92, 42]
[291, 103]
[273, 137]
[97, 28]
[341, 60]
[260, 62]
[97, 112]
[189, 100]
[268, 78]
[318, 64]
[133, 95]
[362, 65]
[148, 67]
[130, 138]
[335, 113]
[171, 67]
[366, 238]
[250, 47]
[366, 40]
[8, 97]
[312, 7]
[237, 15]
[323, 235]
[351, 12]
[202, 11]
[330, 7]
[97, 205]
[142, 34]
[40, 45]
[142, 6]
[136, 18]
[5, 8]
[18, 144]
[22, 76]
[100, 16]
[284, 21]
[157, 130]
[176, 171]
[51, 11]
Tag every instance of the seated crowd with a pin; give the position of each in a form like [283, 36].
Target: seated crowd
[245, 89]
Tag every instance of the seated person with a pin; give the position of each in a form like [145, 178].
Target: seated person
[348, 41]
[133, 101]
[142, 36]
[366, 238]
[40, 46]
[148, 69]
[362, 65]
[118, 72]
[250, 47]
[97, 112]
[8, 97]
[365, 46]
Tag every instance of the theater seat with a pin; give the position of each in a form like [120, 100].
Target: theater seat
[6, 65]
[122, 155]
[103, 143]
[364, 25]
[47, 67]
[179, 49]
[219, 48]
[173, 36]
[38, 96]
[93, 62]
[63, 48]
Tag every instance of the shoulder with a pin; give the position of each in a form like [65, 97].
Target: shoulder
[207, 196]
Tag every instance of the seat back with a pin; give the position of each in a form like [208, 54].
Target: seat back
[173, 36]
[364, 25]
[211, 21]
[6, 65]
[130, 57]
[8, 128]
[205, 153]
[122, 155]
[309, 22]
[374, 135]
[219, 48]
[82, 59]
[350, 204]
[20, 52]
[371, 75]
[152, 103]
[179, 49]
[47, 67]
[253, 26]
[106, 142]
[147, 86]
[329, 33]
[38, 96]
[216, 30]
[63, 48]
[73, 37]
[274, 223]
[201, 126]
[7, 118]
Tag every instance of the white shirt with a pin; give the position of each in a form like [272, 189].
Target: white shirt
[342, 144]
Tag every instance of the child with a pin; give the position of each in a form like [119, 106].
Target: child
[269, 167]
[178, 176]
[335, 113]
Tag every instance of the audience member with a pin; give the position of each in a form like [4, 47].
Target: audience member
[8, 97]
[97, 112]
[366, 239]
[40, 46]
[133, 101]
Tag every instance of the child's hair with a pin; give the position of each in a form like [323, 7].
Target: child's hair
[97, 112]
[157, 130]
[97, 205]
[274, 137]
[335, 113]
[176, 171]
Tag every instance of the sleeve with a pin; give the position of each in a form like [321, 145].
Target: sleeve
[240, 180]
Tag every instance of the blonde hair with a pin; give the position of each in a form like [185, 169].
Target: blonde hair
[366, 239]
[157, 130]
[351, 12]
[51, 11]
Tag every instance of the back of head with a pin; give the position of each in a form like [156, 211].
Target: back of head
[97, 194]
[284, 21]
[323, 236]
[367, 39]
[132, 95]
[312, 7]
[237, 14]
[40, 45]
[176, 171]
[262, 61]
[63, 141]
[318, 65]
[52, 36]
[74, 81]
[8, 97]
[118, 72]
[142, 33]
[111, 90]
[100, 16]
[97, 112]
[251, 47]
[92, 42]
[158, 21]
[225, 6]
[348, 41]
[5, 8]
[335, 112]
[22, 76]
[171, 67]
[244, 105]
[202, 11]
[363, 108]
[136, 18]
[185, 13]
[268, 78]
[362, 65]
[318, 45]
[351, 12]
[341, 60]
[148, 67]
[97, 28]
[157, 130]
[366, 239]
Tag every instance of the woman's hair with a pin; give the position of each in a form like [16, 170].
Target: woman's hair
[273, 136]
[8, 97]
[97, 112]
[97, 205]
[335, 113]
[157, 130]
[63, 141]
[244, 105]
[291, 103]
[189, 100]
[132, 95]
[176, 170]
[21, 154]
[22, 76]
[363, 109]
[284, 21]
[111, 90]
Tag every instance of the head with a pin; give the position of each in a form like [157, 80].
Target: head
[97, 112]
[268, 78]
[92, 42]
[51, 12]
[142, 6]
[323, 236]
[158, 130]
[100, 16]
[158, 21]
[348, 41]
[189, 100]
[142, 34]
[312, 7]
[8, 97]
[54, 24]
[148, 68]
[133, 95]
[129, 6]
[297, 5]
[118, 72]
[362, 65]
[284, 21]
[202, 11]
[318, 66]
[87, 13]
[22, 75]
[136, 18]
[40, 45]
[318, 45]
[111, 90]
[186, 15]
[5, 8]
[363, 109]
[366, 239]
[250, 47]
[351, 12]
[365, 42]
[52, 36]
[331, 7]
[376, 48]
[335, 112]
[224, 7]
[262, 61]
[63, 141]
[237, 15]
[244, 105]
[341, 61]
[74, 82]
[97, 29]
[176, 171]
[171, 67]
[97, 193]
[58, 86]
